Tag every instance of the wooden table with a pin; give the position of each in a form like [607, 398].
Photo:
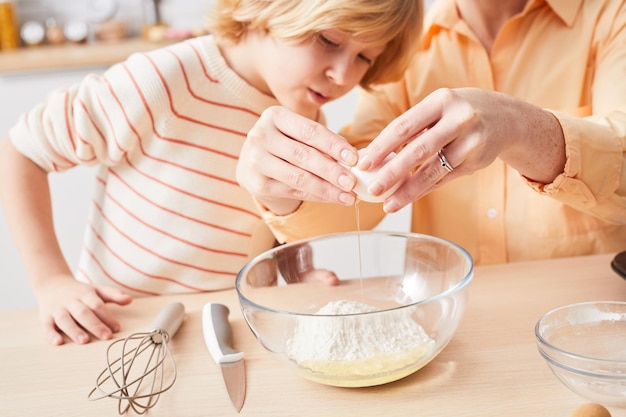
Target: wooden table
[490, 368]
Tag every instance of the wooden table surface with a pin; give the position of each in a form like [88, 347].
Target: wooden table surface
[490, 368]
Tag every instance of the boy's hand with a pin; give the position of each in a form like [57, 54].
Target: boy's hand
[76, 310]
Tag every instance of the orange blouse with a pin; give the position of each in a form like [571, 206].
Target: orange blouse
[568, 56]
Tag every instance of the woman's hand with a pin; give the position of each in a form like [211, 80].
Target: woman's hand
[288, 158]
[75, 309]
[471, 127]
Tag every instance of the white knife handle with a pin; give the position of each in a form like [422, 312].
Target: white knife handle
[218, 335]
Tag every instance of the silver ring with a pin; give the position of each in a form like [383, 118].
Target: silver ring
[444, 161]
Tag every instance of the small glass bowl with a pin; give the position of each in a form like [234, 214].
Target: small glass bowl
[585, 346]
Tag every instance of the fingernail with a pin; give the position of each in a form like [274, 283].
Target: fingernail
[346, 182]
[349, 157]
[391, 206]
[364, 162]
[375, 188]
[83, 338]
[347, 199]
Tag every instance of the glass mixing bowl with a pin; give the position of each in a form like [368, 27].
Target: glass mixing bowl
[356, 309]
[585, 346]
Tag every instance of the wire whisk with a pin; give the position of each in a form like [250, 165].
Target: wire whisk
[137, 379]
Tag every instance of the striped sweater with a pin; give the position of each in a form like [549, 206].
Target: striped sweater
[165, 129]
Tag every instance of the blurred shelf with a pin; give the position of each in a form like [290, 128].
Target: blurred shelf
[68, 56]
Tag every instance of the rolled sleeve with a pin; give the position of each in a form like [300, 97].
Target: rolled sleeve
[594, 176]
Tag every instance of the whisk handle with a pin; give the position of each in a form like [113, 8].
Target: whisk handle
[170, 319]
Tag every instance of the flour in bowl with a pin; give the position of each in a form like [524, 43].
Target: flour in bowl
[361, 346]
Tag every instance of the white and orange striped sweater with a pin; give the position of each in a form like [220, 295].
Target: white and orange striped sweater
[165, 129]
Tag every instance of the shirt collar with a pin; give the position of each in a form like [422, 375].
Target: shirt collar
[565, 9]
[443, 13]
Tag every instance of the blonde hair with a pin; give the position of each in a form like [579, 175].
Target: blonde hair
[396, 22]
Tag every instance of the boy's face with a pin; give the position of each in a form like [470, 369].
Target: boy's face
[305, 76]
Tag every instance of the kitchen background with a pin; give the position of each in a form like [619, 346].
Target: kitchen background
[71, 191]
[177, 13]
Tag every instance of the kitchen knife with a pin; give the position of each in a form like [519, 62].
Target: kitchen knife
[218, 337]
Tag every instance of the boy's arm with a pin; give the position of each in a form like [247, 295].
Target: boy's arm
[66, 305]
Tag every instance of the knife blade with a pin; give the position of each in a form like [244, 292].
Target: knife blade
[218, 337]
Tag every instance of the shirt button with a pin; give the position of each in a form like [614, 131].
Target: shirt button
[492, 213]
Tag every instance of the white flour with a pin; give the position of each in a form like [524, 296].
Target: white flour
[356, 338]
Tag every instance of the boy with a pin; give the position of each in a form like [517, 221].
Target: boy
[165, 130]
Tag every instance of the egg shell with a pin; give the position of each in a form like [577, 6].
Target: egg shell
[365, 178]
[591, 410]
